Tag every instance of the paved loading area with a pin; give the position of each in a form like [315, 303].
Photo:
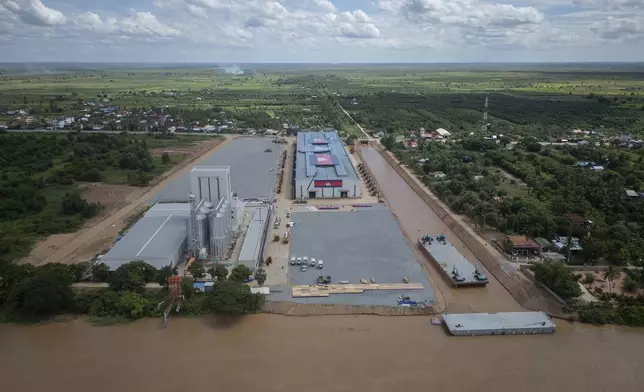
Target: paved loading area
[362, 244]
[250, 169]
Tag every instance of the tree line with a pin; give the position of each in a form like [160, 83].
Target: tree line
[29, 293]
[555, 190]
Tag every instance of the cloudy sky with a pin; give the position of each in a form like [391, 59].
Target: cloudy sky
[321, 30]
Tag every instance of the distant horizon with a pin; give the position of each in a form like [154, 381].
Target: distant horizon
[317, 63]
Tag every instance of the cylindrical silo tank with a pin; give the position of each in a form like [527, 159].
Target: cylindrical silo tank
[211, 233]
[204, 210]
[202, 231]
[223, 211]
[220, 236]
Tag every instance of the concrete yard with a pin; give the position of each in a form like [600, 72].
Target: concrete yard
[249, 170]
[366, 243]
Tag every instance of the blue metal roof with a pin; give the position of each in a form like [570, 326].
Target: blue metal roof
[306, 161]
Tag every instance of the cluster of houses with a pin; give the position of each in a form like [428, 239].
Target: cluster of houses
[97, 116]
[411, 141]
[559, 249]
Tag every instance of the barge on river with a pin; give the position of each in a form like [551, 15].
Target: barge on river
[508, 323]
[454, 266]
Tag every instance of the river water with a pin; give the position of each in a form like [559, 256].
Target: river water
[328, 353]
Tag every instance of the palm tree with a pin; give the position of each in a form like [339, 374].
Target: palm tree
[610, 274]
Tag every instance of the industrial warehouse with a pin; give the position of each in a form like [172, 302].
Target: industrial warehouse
[206, 228]
[322, 168]
[202, 216]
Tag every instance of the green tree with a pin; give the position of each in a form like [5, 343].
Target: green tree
[101, 272]
[241, 273]
[219, 271]
[234, 298]
[629, 285]
[126, 304]
[260, 276]
[492, 219]
[559, 279]
[197, 270]
[45, 294]
[610, 274]
[148, 272]
[131, 277]
[164, 273]
[165, 158]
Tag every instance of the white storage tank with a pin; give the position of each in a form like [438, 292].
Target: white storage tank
[202, 231]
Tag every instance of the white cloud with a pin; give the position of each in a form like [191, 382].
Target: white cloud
[140, 24]
[611, 4]
[467, 13]
[325, 30]
[325, 5]
[34, 12]
[619, 28]
[353, 24]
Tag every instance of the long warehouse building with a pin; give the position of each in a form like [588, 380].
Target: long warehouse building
[158, 238]
[323, 168]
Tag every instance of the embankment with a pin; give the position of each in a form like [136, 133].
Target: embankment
[288, 308]
[526, 294]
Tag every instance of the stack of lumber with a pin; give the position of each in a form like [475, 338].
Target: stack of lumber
[326, 290]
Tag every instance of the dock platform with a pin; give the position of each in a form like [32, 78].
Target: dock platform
[326, 290]
[509, 323]
[454, 266]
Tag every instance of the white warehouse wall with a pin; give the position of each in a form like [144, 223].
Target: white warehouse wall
[211, 183]
[352, 187]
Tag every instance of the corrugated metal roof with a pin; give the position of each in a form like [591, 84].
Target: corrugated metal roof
[253, 241]
[155, 238]
[308, 165]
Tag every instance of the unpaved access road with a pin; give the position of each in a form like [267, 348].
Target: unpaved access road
[88, 241]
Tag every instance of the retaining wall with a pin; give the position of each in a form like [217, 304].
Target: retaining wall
[288, 308]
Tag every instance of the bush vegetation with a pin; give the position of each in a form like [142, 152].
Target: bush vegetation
[38, 174]
[30, 293]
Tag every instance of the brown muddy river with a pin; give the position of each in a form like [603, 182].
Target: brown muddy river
[329, 353]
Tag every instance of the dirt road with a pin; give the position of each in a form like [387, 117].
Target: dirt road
[355, 122]
[83, 244]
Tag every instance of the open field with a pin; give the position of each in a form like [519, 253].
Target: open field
[524, 98]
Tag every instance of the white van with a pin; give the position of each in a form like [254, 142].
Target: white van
[320, 264]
